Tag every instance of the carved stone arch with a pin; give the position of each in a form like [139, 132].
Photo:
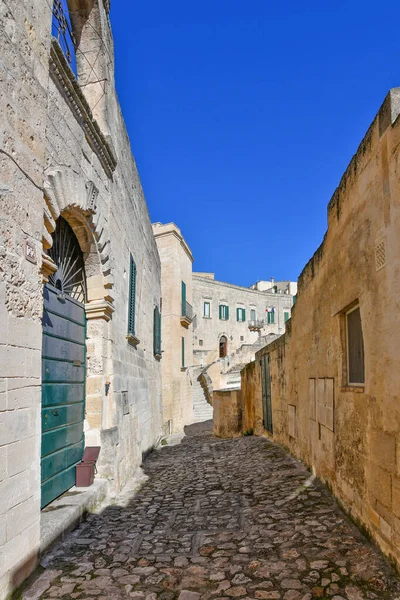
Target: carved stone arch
[90, 229]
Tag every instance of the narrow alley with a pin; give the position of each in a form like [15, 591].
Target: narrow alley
[219, 519]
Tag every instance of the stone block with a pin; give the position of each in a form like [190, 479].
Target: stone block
[22, 456]
[13, 361]
[3, 464]
[94, 404]
[396, 496]
[292, 420]
[24, 332]
[386, 530]
[373, 517]
[22, 516]
[320, 400]
[382, 449]
[329, 403]
[312, 399]
[24, 397]
[17, 425]
[379, 484]
[20, 553]
[14, 490]
[3, 401]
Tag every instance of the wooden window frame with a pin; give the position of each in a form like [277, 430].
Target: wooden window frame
[353, 384]
[204, 310]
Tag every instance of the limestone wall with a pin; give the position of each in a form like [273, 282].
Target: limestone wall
[176, 267]
[349, 434]
[56, 157]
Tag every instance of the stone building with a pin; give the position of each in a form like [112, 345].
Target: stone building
[176, 330]
[329, 388]
[76, 248]
[230, 316]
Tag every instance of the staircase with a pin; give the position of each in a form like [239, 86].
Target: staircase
[202, 410]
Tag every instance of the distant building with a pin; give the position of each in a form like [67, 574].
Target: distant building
[176, 331]
[229, 316]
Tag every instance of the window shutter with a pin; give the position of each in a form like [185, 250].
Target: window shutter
[183, 352]
[220, 311]
[132, 297]
[227, 313]
[157, 332]
[183, 299]
[243, 314]
[237, 314]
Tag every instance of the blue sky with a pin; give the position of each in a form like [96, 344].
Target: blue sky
[243, 116]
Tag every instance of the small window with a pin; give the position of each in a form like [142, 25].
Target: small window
[183, 353]
[157, 332]
[200, 342]
[271, 316]
[223, 312]
[132, 297]
[207, 310]
[240, 314]
[252, 315]
[286, 316]
[223, 347]
[242, 338]
[355, 347]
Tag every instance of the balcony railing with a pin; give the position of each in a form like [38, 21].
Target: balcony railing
[256, 324]
[186, 314]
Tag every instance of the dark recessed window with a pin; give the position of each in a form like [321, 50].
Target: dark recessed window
[355, 347]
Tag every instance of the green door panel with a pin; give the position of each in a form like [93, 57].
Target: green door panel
[54, 394]
[62, 371]
[62, 415]
[55, 439]
[63, 328]
[62, 349]
[67, 308]
[63, 392]
[57, 485]
[58, 461]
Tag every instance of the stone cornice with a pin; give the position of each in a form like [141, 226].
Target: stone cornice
[64, 78]
[99, 309]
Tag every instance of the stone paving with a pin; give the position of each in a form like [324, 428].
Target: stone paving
[219, 520]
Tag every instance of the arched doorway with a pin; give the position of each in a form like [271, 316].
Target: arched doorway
[223, 346]
[63, 364]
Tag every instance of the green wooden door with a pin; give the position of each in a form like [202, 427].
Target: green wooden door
[266, 393]
[63, 391]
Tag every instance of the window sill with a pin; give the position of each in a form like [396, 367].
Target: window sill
[183, 369]
[358, 389]
[207, 318]
[133, 340]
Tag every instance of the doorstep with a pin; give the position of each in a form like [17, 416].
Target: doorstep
[66, 512]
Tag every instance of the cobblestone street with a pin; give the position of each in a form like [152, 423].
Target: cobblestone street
[219, 519]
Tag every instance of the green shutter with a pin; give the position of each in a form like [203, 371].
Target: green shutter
[220, 311]
[132, 297]
[183, 352]
[286, 316]
[157, 331]
[183, 299]
[227, 313]
[243, 314]
[237, 315]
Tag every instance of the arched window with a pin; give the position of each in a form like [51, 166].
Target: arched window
[223, 347]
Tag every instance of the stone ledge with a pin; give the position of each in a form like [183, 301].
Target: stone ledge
[64, 78]
[63, 514]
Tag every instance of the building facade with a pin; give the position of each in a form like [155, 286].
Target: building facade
[329, 388]
[79, 269]
[176, 330]
[230, 316]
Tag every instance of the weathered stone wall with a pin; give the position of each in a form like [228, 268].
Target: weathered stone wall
[210, 330]
[350, 435]
[52, 160]
[176, 266]
[227, 419]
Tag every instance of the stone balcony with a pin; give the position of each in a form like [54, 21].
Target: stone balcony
[186, 314]
[256, 325]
